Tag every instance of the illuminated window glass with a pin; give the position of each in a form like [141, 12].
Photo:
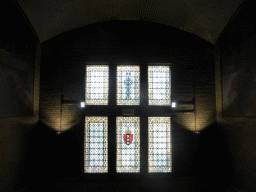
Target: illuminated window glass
[159, 86]
[96, 145]
[128, 86]
[159, 144]
[96, 85]
[128, 144]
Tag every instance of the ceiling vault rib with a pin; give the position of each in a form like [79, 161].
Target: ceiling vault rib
[60, 16]
[200, 20]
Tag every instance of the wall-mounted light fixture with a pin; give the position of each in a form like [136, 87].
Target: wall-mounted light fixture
[82, 104]
[173, 104]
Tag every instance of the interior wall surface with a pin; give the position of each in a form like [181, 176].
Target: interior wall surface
[235, 96]
[63, 82]
[19, 47]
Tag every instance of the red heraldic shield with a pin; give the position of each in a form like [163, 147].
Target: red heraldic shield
[128, 138]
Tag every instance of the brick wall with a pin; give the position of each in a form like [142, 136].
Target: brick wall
[18, 44]
[192, 78]
[192, 73]
[237, 47]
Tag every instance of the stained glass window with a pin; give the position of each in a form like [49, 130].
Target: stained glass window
[128, 86]
[96, 85]
[96, 145]
[159, 144]
[159, 86]
[128, 144]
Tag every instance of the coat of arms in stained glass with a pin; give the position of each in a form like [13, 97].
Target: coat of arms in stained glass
[128, 144]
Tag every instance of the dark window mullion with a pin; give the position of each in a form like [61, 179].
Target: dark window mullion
[112, 113]
[142, 113]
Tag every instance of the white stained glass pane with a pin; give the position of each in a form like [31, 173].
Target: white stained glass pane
[128, 85]
[128, 144]
[159, 85]
[159, 144]
[97, 84]
[96, 145]
[159, 139]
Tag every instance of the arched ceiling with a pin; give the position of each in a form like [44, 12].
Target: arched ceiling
[204, 18]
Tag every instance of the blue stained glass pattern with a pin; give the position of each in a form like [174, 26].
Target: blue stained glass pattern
[128, 86]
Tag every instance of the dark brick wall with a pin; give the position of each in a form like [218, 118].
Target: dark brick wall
[26, 151]
[18, 42]
[236, 46]
[192, 65]
[18, 37]
[62, 75]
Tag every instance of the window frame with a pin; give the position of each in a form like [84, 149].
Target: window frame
[144, 110]
[170, 100]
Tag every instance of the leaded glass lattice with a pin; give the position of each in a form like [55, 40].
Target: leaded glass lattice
[159, 144]
[96, 145]
[159, 85]
[128, 86]
[96, 85]
[128, 144]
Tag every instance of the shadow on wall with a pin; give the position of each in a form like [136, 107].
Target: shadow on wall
[213, 156]
[42, 154]
[201, 154]
[184, 147]
[53, 155]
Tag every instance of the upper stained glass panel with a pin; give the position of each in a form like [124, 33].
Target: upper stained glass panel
[159, 85]
[159, 144]
[96, 145]
[128, 85]
[128, 144]
[97, 85]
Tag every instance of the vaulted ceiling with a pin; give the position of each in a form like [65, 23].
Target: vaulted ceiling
[204, 18]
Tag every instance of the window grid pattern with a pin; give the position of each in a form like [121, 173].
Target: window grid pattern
[128, 86]
[128, 155]
[97, 85]
[159, 144]
[96, 145]
[159, 85]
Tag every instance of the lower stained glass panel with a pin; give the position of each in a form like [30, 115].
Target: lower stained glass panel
[159, 144]
[96, 145]
[128, 144]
